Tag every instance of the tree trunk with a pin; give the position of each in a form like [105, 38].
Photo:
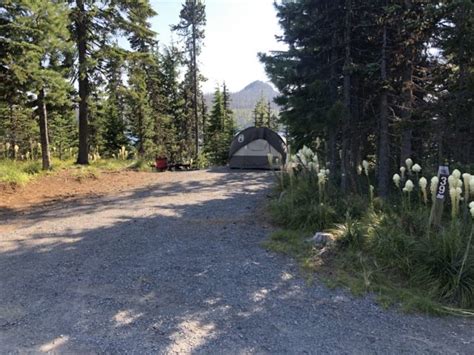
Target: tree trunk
[43, 126]
[406, 146]
[195, 93]
[81, 33]
[13, 131]
[356, 132]
[347, 98]
[407, 101]
[332, 130]
[141, 130]
[332, 133]
[440, 127]
[384, 138]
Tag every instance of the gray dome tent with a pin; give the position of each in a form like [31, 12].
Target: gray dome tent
[250, 149]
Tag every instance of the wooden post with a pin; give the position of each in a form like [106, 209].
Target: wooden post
[438, 205]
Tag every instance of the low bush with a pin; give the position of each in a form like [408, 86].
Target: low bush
[15, 173]
[82, 173]
[142, 165]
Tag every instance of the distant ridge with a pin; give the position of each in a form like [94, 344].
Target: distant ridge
[243, 102]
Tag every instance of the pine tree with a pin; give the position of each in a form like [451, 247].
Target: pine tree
[16, 59]
[229, 122]
[229, 126]
[454, 83]
[214, 127]
[220, 127]
[173, 101]
[191, 28]
[358, 74]
[261, 113]
[38, 34]
[94, 23]
[115, 104]
[139, 109]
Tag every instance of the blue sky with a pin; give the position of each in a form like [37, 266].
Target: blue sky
[236, 31]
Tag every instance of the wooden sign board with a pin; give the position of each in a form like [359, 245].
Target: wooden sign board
[443, 175]
[438, 205]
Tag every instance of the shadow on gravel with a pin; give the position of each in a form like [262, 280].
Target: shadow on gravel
[177, 280]
[93, 204]
[187, 275]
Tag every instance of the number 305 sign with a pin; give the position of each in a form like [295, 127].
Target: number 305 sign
[443, 173]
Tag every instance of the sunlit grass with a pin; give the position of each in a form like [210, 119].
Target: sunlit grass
[19, 173]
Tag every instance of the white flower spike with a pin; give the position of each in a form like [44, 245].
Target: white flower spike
[466, 178]
[416, 168]
[452, 181]
[456, 173]
[402, 170]
[396, 179]
[365, 164]
[423, 183]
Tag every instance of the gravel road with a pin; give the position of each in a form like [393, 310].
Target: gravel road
[177, 267]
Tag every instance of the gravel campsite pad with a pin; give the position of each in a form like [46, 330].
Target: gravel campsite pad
[177, 266]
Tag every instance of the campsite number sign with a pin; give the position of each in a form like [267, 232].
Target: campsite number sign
[437, 209]
[443, 173]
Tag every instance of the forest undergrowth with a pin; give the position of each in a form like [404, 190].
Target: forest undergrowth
[387, 247]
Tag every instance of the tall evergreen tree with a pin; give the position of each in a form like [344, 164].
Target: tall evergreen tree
[191, 28]
[115, 105]
[139, 109]
[37, 33]
[454, 82]
[261, 113]
[220, 127]
[95, 23]
[173, 101]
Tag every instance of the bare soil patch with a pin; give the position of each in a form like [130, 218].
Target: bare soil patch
[65, 185]
[17, 202]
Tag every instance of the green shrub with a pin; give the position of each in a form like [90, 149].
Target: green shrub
[32, 168]
[13, 173]
[444, 263]
[351, 233]
[142, 165]
[430, 261]
[82, 173]
[14, 177]
[202, 162]
[301, 208]
[354, 205]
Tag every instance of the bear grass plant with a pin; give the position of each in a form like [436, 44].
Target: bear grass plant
[384, 247]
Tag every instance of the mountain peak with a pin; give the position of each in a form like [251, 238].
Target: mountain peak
[257, 85]
[243, 102]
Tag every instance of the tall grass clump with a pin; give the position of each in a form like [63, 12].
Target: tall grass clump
[18, 173]
[390, 246]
